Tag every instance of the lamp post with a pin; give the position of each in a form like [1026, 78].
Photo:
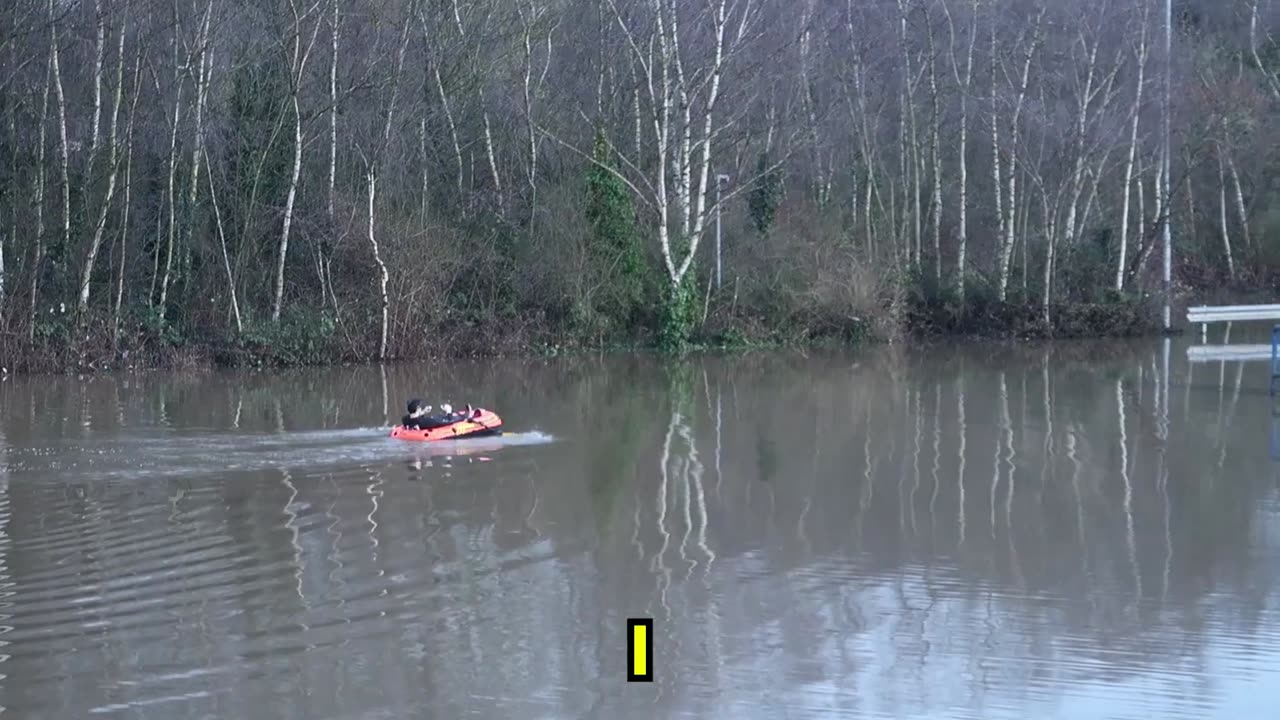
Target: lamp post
[720, 182]
[1165, 230]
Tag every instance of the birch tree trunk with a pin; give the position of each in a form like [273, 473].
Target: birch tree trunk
[297, 67]
[435, 61]
[935, 155]
[94, 135]
[371, 178]
[1006, 249]
[1226, 228]
[64, 245]
[334, 21]
[1135, 118]
[910, 141]
[170, 190]
[1271, 78]
[1239, 197]
[37, 252]
[128, 197]
[493, 166]
[1093, 87]
[532, 90]
[114, 150]
[326, 245]
[965, 84]
[222, 242]
[204, 63]
[808, 100]
[997, 175]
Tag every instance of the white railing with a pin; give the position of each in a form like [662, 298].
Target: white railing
[1232, 313]
[1228, 353]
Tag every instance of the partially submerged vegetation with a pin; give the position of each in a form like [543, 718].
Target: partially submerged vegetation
[290, 183]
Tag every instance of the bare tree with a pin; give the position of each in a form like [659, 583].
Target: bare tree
[1271, 77]
[64, 163]
[965, 83]
[672, 95]
[530, 17]
[1226, 228]
[222, 242]
[299, 53]
[1135, 119]
[371, 177]
[127, 200]
[1030, 42]
[113, 147]
[170, 187]
[37, 250]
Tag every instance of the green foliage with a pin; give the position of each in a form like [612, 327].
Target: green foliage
[166, 331]
[766, 195]
[258, 95]
[1081, 267]
[302, 337]
[680, 311]
[615, 246]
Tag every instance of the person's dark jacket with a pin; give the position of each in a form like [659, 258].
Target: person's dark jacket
[424, 422]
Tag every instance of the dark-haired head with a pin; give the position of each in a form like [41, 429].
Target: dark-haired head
[414, 404]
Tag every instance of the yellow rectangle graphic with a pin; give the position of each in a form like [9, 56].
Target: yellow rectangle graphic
[640, 650]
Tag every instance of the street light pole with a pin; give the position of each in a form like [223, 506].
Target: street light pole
[720, 181]
[1167, 203]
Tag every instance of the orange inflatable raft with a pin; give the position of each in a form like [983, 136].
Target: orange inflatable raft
[481, 423]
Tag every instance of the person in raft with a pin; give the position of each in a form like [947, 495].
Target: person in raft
[417, 414]
[420, 416]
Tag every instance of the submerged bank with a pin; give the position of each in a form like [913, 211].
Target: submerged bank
[303, 340]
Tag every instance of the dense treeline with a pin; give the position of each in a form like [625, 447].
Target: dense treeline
[305, 180]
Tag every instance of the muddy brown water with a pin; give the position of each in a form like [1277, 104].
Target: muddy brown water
[965, 531]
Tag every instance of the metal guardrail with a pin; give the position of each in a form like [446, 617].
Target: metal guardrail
[1232, 313]
[1230, 353]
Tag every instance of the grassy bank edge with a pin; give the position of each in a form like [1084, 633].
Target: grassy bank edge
[920, 321]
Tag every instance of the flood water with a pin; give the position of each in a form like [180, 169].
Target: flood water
[1059, 531]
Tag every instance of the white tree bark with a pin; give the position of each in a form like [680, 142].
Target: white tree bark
[204, 67]
[37, 252]
[325, 250]
[128, 196]
[909, 143]
[1239, 197]
[95, 125]
[114, 149]
[222, 241]
[935, 153]
[532, 90]
[444, 96]
[673, 95]
[334, 24]
[1273, 82]
[297, 67]
[1135, 118]
[965, 83]
[1093, 87]
[1226, 228]
[809, 101]
[170, 190]
[371, 177]
[997, 175]
[1006, 248]
[63, 151]
[493, 166]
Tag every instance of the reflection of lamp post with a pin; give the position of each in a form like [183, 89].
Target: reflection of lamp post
[720, 181]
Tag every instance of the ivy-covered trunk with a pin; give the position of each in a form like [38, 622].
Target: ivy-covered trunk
[679, 313]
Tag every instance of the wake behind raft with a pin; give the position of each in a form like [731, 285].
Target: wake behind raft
[480, 423]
